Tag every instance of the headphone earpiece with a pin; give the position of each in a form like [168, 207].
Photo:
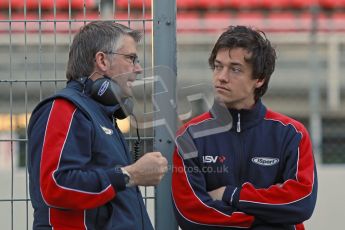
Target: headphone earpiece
[109, 93]
[106, 91]
[125, 110]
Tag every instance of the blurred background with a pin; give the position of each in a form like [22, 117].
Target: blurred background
[308, 83]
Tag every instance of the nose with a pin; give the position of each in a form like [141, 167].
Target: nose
[223, 76]
[137, 68]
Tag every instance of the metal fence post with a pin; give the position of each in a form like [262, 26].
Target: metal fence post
[314, 93]
[164, 54]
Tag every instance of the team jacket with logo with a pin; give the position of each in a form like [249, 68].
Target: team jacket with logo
[75, 154]
[265, 161]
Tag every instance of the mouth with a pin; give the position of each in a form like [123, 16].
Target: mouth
[221, 88]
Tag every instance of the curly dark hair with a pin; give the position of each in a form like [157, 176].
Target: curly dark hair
[263, 55]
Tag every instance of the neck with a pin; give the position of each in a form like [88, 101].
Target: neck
[95, 75]
[246, 105]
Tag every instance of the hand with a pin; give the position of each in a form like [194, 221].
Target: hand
[217, 194]
[148, 170]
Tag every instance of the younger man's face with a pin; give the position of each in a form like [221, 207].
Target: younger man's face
[232, 78]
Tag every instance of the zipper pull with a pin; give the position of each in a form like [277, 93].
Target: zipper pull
[239, 123]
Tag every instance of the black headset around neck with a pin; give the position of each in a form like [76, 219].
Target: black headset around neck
[107, 92]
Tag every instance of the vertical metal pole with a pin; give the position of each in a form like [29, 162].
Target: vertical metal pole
[314, 93]
[333, 81]
[26, 116]
[164, 53]
[11, 101]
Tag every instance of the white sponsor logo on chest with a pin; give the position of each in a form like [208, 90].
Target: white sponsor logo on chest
[213, 159]
[107, 131]
[265, 161]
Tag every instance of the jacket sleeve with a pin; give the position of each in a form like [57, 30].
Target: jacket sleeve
[293, 200]
[194, 208]
[66, 179]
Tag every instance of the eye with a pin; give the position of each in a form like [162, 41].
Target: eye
[236, 69]
[218, 67]
[134, 59]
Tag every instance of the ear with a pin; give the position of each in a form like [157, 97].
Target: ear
[101, 62]
[259, 83]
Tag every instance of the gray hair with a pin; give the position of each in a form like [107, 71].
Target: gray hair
[97, 36]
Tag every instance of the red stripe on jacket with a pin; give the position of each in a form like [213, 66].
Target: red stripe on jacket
[299, 227]
[67, 219]
[57, 129]
[302, 186]
[203, 117]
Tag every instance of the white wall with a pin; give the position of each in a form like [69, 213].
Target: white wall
[330, 207]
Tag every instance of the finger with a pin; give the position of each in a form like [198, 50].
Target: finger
[163, 170]
[156, 154]
[165, 161]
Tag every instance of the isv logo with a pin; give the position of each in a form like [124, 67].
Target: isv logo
[265, 161]
[213, 159]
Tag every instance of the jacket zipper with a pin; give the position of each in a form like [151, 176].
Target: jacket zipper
[242, 152]
[137, 191]
[241, 158]
[123, 142]
[238, 129]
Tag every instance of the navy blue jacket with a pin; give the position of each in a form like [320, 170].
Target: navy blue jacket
[75, 154]
[266, 163]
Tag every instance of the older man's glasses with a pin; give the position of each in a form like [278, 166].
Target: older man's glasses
[132, 57]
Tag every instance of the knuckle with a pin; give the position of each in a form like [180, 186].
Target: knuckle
[164, 161]
[157, 153]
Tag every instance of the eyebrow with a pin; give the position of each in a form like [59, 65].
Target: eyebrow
[231, 63]
[133, 54]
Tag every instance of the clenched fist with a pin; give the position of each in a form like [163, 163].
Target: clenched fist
[148, 170]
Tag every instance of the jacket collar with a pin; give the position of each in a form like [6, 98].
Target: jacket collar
[246, 118]
[85, 89]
